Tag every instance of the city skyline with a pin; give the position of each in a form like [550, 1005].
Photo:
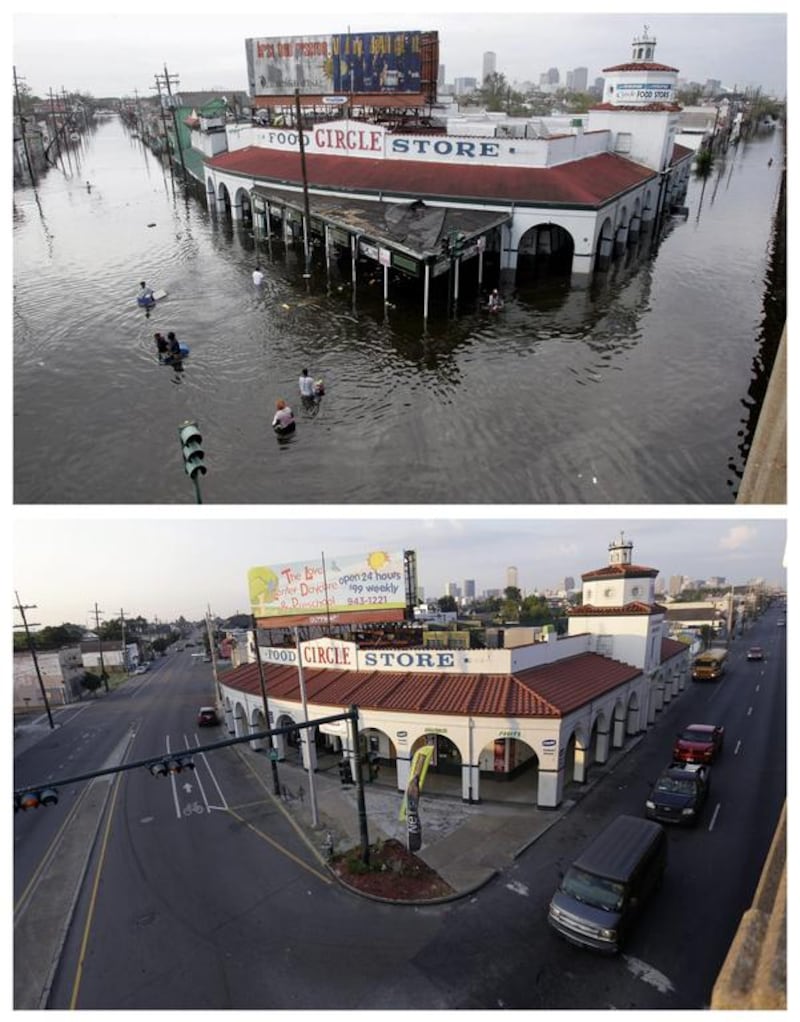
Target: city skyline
[166, 567]
[110, 56]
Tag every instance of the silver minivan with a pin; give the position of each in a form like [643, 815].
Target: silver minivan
[605, 888]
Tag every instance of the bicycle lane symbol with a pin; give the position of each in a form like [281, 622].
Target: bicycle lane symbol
[193, 807]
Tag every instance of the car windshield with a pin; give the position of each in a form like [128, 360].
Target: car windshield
[701, 737]
[593, 890]
[676, 785]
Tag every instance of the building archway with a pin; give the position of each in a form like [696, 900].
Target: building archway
[257, 724]
[379, 754]
[508, 771]
[444, 770]
[545, 250]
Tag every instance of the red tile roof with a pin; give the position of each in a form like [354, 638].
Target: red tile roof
[621, 571]
[552, 690]
[635, 607]
[641, 65]
[671, 648]
[592, 181]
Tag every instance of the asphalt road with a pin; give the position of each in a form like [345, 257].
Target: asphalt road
[199, 894]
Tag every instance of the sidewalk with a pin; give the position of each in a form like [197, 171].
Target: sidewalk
[465, 844]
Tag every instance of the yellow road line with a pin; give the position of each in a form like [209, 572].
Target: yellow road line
[279, 847]
[92, 903]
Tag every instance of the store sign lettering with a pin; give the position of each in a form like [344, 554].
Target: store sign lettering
[443, 147]
[388, 658]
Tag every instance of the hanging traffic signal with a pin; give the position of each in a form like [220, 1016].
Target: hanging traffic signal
[34, 799]
[193, 453]
[172, 765]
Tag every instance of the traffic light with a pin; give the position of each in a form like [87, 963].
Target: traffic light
[34, 799]
[172, 765]
[193, 453]
[345, 772]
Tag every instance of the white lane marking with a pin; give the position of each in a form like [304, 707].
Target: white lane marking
[518, 888]
[714, 817]
[749, 711]
[641, 970]
[738, 746]
[212, 775]
[758, 688]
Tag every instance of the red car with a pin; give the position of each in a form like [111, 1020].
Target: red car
[698, 743]
[207, 716]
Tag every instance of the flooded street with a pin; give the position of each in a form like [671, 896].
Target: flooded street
[636, 390]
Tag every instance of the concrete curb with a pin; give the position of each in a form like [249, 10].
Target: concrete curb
[764, 477]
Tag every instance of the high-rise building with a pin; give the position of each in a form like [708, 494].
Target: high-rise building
[453, 590]
[569, 583]
[469, 588]
[440, 77]
[675, 584]
[489, 65]
[512, 578]
[464, 85]
[580, 79]
[553, 76]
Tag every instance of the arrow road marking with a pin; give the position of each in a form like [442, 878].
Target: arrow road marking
[518, 888]
[641, 970]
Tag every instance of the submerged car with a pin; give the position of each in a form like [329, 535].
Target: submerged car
[698, 743]
[679, 794]
[207, 716]
[755, 653]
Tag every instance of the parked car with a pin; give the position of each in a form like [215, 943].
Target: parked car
[698, 743]
[755, 653]
[207, 716]
[604, 889]
[679, 794]
[142, 669]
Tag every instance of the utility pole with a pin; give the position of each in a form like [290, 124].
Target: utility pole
[164, 123]
[166, 80]
[56, 130]
[213, 654]
[273, 751]
[22, 123]
[124, 653]
[32, 606]
[306, 207]
[103, 674]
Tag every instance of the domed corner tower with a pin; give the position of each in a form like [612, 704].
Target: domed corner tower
[639, 106]
[618, 607]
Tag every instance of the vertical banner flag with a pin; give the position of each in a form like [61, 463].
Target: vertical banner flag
[409, 808]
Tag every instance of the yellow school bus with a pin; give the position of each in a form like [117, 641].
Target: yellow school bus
[709, 665]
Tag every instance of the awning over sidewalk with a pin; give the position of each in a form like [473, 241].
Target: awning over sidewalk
[412, 228]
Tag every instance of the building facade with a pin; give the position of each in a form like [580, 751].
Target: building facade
[552, 707]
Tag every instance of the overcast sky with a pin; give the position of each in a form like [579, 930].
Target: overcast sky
[164, 567]
[114, 54]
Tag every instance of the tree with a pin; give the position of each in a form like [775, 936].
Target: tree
[447, 604]
[91, 682]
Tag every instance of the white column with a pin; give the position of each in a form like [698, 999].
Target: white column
[550, 788]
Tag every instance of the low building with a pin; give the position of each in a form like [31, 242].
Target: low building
[61, 673]
[114, 655]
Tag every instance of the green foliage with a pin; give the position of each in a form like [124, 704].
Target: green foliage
[91, 682]
[704, 161]
[447, 604]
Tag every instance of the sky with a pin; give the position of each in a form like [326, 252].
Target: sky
[162, 567]
[89, 50]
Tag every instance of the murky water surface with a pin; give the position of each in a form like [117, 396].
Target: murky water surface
[632, 391]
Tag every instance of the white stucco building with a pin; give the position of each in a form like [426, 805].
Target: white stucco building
[554, 706]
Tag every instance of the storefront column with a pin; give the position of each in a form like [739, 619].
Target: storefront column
[308, 749]
[403, 764]
[550, 788]
[618, 739]
[581, 765]
[470, 783]
[601, 749]
[659, 697]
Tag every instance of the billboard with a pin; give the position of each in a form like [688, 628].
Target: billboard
[356, 589]
[345, 64]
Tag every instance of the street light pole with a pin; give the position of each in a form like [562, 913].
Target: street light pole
[272, 747]
[308, 735]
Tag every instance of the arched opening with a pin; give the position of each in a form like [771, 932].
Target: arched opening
[632, 725]
[544, 251]
[509, 771]
[224, 200]
[258, 724]
[243, 201]
[240, 728]
[378, 757]
[605, 245]
[289, 746]
[444, 770]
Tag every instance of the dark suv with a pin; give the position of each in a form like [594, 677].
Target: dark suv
[679, 794]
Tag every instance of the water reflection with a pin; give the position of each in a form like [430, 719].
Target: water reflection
[629, 390]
